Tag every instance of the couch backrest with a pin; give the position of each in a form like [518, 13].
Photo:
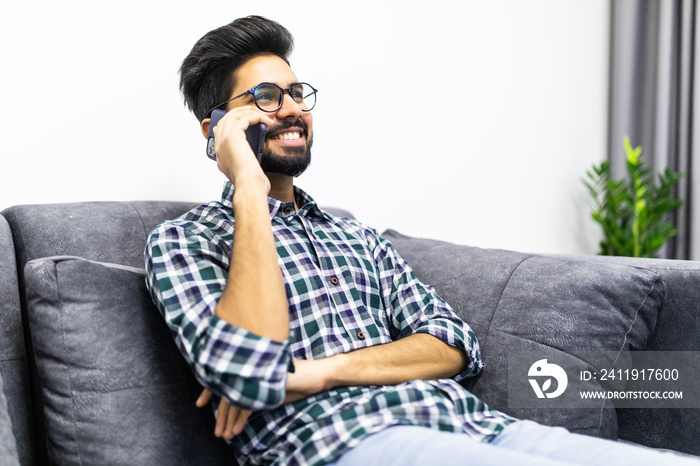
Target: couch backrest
[113, 232]
[516, 302]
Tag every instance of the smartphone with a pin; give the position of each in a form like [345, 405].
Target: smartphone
[255, 134]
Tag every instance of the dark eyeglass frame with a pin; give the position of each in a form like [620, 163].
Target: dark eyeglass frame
[281, 99]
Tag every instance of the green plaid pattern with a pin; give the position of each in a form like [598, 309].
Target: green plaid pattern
[347, 289]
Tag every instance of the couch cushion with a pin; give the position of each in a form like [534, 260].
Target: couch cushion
[103, 231]
[521, 302]
[115, 388]
[677, 329]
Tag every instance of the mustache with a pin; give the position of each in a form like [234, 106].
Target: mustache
[286, 125]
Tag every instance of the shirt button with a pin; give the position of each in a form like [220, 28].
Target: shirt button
[361, 335]
[288, 210]
[335, 280]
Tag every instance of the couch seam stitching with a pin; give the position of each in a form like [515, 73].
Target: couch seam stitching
[602, 406]
[500, 298]
[657, 279]
[636, 315]
[70, 388]
[143, 224]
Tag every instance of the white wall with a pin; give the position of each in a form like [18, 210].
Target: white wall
[467, 121]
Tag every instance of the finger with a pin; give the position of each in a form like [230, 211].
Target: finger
[243, 117]
[241, 422]
[230, 131]
[249, 113]
[203, 398]
[222, 417]
[233, 415]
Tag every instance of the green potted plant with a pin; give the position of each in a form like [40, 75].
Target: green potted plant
[632, 212]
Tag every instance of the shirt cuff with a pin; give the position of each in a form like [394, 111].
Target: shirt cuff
[462, 338]
[249, 370]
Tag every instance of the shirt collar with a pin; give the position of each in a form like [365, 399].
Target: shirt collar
[278, 208]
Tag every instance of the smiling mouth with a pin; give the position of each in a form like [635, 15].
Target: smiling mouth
[286, 136]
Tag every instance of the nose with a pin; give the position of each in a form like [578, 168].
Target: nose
[289, 109]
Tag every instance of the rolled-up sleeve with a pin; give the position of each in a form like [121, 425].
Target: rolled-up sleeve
[186, 272]
[414, 307]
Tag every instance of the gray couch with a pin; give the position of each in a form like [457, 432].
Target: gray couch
[91, 375]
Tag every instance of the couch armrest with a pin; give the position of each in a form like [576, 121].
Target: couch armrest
[13, 358]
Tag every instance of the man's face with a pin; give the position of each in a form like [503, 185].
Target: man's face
[287, 148]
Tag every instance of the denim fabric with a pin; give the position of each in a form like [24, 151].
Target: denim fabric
[523, 443]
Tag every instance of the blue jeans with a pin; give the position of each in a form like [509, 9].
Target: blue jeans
[522, 443]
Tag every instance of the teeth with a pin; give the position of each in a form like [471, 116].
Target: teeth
[287, 136]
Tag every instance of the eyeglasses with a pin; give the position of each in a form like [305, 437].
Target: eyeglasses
[268, 97]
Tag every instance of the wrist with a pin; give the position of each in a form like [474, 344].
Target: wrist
[251, 191]
[334, 371]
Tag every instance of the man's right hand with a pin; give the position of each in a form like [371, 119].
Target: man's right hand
[230, 420]
[234, 157]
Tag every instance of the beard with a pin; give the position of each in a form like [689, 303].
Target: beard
[294, 160]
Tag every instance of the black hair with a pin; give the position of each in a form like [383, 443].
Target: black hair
[207, 73]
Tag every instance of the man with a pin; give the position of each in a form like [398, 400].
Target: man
[316, 336]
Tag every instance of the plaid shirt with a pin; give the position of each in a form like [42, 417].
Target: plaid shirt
[347, 289]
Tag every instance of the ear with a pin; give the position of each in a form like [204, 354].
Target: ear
[205, 127]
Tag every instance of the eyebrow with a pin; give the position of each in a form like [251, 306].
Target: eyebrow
[283, 86]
